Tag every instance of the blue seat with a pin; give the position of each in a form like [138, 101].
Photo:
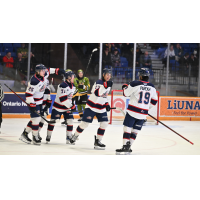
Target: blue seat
[124, 64]
[7, 49]
[1, 49]
[1, 44]
[13, 54]
[7, 44]
[2, 54]
[187, 49]
[17, 45]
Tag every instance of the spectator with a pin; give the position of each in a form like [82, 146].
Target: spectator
[196, 54]
[106, 58]
[171, 53]
[8, 62]
[115, 58]
[33, 63]
[145, 60]
[19, 61]
[126, 52]
[184, 63]
[194, 65]
[178, 52]
[23, 50]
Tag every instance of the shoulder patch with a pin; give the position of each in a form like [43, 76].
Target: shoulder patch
[34, 81]
[100, 82]
[135, 83]
[63, 85]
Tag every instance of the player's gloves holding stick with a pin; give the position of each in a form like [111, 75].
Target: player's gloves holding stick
[48, 103]
[107, 84]
[32, 107]
[107, 106]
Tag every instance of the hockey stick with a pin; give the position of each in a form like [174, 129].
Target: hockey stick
[170, 129]
[90, 59]
[117, 108]
[49, 122]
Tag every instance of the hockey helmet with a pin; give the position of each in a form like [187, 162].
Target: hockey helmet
[80, 70]
[67, 70]
[106, 71]
[144, 72]
[69, 74]
[39, 67]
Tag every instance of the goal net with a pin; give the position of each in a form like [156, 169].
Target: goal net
[118, 100]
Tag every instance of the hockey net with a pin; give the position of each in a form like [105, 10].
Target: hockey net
[118, 100]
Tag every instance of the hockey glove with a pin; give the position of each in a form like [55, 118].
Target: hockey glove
[107, 84]
[48, 103]
[82, 87]
[32, 107]
[107, 107]
[124, 86]
[60, 71]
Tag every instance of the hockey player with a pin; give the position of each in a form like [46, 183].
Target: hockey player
[142, 98]
[97, 105]
[83, 85]
[34, 97]
[63, 105]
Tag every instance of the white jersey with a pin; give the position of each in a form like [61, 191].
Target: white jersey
[47, 95]
[98, 97]
[142, 97]
[36, 87]
[64, 96]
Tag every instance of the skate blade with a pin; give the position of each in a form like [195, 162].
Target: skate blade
[99, 148]
[47, 142]
[123, 153]
[25, 141]
[38, 144]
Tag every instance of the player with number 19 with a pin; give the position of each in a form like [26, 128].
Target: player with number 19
[143, 97]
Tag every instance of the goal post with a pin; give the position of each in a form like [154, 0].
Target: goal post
[118, 100]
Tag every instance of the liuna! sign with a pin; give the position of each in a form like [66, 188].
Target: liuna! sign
[179, 107]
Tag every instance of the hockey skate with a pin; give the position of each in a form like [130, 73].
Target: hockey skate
[36, 140]
[64, 123]
[68, 140]
[98, 144]
[48, 138]
[79, 120]
[39, 137]
[24, 137]
[125, 149]
[73, 139]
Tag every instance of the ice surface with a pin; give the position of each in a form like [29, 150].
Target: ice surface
[152, 140]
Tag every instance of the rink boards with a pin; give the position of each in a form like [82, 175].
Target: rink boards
[171, 108]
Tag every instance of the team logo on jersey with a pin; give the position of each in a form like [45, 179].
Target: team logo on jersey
[142, 111]
[105, 94]
[89, 117]
[57, 115]
[42, 89]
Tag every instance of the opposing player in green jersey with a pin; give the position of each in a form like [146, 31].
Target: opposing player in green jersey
[83, 85]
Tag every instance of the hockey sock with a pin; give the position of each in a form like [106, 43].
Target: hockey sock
[50, 129]
[69, 130]
[29, 127]
[133, 137]
[100, 133]
[40, 126]
[126, 137]
[79, 130]
[35, 128]
[79, 107]
[83, 106]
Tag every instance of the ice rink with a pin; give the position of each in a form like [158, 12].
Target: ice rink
[152, 140]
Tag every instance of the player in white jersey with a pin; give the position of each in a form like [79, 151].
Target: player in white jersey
[63, 105]
[97, 104]
[34, 97]
[142, 98]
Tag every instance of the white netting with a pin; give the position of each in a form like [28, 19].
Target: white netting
[118, 100]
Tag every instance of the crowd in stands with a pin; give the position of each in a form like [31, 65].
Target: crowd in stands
[181, 57]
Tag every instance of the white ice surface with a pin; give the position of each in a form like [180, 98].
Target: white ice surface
[152, 140]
